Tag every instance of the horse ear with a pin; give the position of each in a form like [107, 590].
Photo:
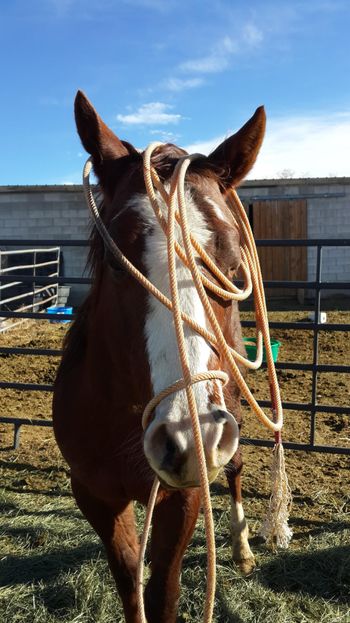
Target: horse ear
[96, 137]
[236, 156]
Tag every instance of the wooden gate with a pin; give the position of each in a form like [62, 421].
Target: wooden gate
[279, 219]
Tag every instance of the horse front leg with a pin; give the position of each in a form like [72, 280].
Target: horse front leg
[174, 521]
[116, 529]
[241, 552]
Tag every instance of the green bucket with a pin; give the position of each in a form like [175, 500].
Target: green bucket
[250, 346]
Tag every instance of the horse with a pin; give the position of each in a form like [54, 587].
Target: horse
[121, 349]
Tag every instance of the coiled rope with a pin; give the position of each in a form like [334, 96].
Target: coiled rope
[175, 203]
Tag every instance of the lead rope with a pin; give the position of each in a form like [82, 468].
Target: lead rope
[275, 527]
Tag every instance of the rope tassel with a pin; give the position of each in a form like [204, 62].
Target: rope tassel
[275, 529]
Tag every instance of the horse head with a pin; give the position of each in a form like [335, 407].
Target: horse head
[168, 440]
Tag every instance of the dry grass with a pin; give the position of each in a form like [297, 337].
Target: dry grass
[53, 569]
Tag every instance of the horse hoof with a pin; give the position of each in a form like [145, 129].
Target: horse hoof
[246, 566]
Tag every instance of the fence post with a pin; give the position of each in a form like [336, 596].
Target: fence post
[315, 344]
[0, 274]
[58, 272]
[34, 275]
[16, 435]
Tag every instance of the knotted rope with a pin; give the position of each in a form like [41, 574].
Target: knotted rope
[276, 527]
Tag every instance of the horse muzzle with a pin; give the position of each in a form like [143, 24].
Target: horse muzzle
[170, 449]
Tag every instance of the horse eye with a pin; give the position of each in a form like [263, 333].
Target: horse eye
[227, 250]
[117, 269]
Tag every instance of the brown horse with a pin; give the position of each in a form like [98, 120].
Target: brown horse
[122, 348]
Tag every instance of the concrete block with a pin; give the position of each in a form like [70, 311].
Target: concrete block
[15, 223]
[11, 198]
[35, 197]
[54, 196]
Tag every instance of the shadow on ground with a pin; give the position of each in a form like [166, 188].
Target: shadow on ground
[324, 573]
[15, 570]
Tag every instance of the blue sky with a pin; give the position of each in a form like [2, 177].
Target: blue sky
[187, 71]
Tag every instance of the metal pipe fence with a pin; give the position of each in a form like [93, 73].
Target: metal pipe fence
[23, 287]
[316, 327]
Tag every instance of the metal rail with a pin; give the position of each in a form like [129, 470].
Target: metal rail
[315, 327]
[43, 290]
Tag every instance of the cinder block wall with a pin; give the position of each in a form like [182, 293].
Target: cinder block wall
[328, 216]
[37, 212]
[48, 213]
[330, 219]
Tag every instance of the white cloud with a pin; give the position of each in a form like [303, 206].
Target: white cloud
[252, 35]
[311, 146]
[204, 147]
[152, 113]
[219, 57]
[165, 136]
[70, 180]
[217, 60]
[52, 100]
[307, 146]
[211, 64]
[62, 7]
[178, 84]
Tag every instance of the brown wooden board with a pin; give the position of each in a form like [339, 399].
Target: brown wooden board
[278, 220]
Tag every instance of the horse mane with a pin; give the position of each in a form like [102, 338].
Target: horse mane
[75, 340]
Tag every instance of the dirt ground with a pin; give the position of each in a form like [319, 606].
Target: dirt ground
[319, 481]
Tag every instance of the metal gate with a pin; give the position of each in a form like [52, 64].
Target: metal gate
[315, 327]
[16, 296]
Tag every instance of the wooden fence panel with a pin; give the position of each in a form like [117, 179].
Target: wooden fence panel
[282, 219]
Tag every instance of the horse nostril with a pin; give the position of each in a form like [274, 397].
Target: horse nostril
[173, 459]
[169, 453]
[220, 416]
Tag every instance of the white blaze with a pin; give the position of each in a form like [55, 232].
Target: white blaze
[217, 211]
[160, 334]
